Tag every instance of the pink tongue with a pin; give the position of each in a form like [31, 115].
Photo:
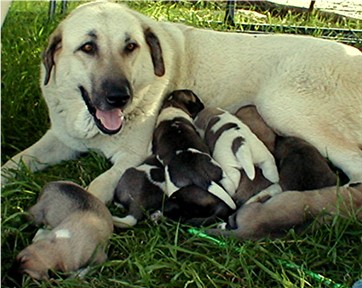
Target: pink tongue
[112, 119]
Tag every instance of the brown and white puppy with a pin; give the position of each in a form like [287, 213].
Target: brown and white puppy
[81, 226]
[181, 150]
[235, 146]
[293, 209]
[140, 190]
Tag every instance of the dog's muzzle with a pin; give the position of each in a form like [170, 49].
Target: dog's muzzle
[110, 118]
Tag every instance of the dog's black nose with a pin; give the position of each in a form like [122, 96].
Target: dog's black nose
[118, 99]
[117, 92]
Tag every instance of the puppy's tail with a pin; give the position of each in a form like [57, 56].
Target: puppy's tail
[245, 160]
[124, 222]
[269, 169]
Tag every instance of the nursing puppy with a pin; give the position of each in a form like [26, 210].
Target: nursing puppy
[195, 206]
[293, 209]
[301, 167]
[235, 147]
[180, 149]
[140, 190]
[81, 227]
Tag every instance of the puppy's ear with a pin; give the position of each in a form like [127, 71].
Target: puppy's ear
[194, 104]
[55, 43]
[156, 52]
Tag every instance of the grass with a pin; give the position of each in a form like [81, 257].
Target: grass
[150, 255]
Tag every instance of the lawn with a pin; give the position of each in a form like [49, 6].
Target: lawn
[150, 255]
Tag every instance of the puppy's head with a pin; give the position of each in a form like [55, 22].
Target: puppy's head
[185, 100]
[190, 202]
[205, 116]
[250, 116]
[32, 263]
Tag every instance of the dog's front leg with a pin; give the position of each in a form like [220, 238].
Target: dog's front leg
[49, 150]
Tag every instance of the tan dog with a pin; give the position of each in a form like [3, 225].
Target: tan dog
[104, 83]
[82, 225]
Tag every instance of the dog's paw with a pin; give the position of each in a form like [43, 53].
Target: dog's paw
[102, 189]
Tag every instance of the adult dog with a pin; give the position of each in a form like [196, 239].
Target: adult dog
[107, 68]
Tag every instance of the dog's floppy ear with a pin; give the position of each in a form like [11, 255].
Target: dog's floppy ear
[156, 52]
[55, 43]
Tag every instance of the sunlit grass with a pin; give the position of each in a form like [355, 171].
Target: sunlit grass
[150, 255]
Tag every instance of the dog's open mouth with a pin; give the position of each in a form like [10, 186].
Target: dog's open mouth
[110, 121]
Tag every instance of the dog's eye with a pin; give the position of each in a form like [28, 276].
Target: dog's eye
[131, 47]
[89, 48]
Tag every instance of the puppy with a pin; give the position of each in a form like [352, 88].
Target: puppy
[292, 209]
[206, 210]
[301, 167]
[81, 226]
[235, 147]
[185, 156]
[139, 190]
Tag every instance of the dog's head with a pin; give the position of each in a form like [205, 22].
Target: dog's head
[97, 62]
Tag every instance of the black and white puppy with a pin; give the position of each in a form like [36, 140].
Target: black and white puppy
[140, 190]
[179, 147]
[81, 226]
[235, 147]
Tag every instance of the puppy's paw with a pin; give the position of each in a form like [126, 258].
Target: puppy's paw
[125, 222]
[41, 234]
[222, 226]
[156, 216]
[265, 194]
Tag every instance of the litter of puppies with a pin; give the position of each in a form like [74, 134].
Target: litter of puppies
[206, 166]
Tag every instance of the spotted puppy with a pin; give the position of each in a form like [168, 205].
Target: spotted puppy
[140, 190]
[185, 156]
[81, 227]
[235, 147]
